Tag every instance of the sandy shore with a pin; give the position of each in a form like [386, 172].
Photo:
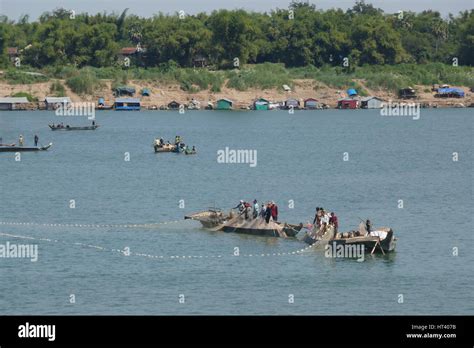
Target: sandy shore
[163, 94]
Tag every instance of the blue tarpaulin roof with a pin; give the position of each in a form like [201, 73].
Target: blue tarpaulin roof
[451, 91]
[351, 91]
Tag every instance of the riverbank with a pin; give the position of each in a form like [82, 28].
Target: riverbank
[162, 94]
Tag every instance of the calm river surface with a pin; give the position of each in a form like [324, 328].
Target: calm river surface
[300, 159]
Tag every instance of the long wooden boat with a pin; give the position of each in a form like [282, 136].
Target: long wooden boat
[7, 148]
[219, 221]
[69, 128]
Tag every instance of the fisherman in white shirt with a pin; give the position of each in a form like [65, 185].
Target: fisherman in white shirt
[255, 209]
[325, 218]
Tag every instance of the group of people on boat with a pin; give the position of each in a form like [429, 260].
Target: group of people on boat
[21, 141]
[267, 211]
[322, 220]
[178, 146]
[59, 125]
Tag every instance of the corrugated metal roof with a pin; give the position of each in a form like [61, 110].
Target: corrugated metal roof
[370, 98]
[127, 100]
[225, 99]
[53, 100]
[13, 100]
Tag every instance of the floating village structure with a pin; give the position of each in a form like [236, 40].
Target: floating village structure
[52, 103]
[13, 103]
[371, 103]
[224, 104]
[311, 104]
[127, 104]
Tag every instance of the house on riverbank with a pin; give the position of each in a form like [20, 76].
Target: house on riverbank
[261, 104]
[224, 104]
[450, 93]
[174, 105]
[13, 103]
[311, 104]
[52, 103]
[348, 103]
[124, 90]
[127, 104]
[292, 103]
[371, 103]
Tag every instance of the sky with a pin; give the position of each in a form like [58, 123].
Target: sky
[34, 8]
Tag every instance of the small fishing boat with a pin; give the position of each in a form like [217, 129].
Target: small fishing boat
[14, 148]
[380, 240]
[190, 152]
[69, 128]
[164, 148]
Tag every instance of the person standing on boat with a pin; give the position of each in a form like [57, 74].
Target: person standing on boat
[255, 209]
[263, 211]
[36, 140]
[240, 206]
[324, 216]
[368, 226]
[268, 213]
[93, 123]
[316, 217]
[274, 211]
[20, 140]
[333, 221]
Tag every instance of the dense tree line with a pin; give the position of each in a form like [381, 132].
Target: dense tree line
[298, 36]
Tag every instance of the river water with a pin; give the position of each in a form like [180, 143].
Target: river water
[400, 173]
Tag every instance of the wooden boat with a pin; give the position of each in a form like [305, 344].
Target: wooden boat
[69, 128]
[381, 240]
[14, 148]
[218, 221]
[164, 148]
[259, 227]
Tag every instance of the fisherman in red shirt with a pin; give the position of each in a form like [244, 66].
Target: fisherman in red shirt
[333, 221]
[274, 209]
